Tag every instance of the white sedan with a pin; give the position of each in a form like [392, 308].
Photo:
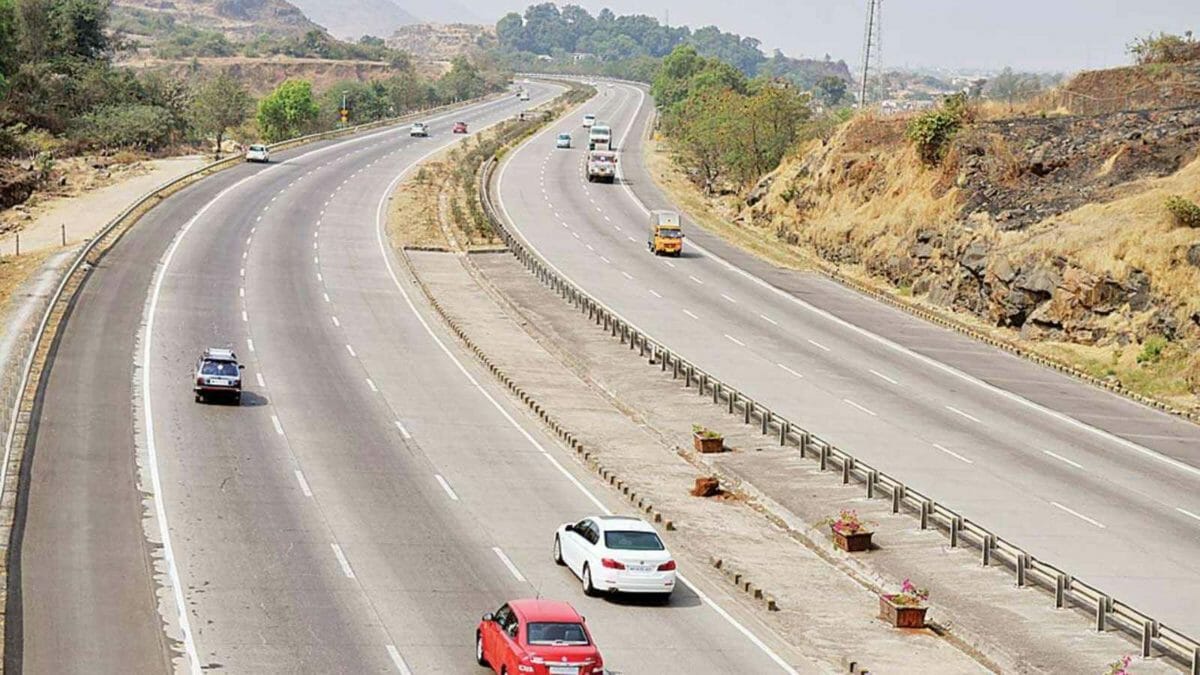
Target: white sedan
[258, 153]
[615, 554]
[419, 130]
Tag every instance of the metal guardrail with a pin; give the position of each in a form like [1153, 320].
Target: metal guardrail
[1028, 569]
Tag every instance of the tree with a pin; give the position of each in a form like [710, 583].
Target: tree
[81, 27]
[288, 111]
[830, 91]
[462, 82]
[219, 104]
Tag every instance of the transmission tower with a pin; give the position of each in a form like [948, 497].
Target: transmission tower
[872, 61]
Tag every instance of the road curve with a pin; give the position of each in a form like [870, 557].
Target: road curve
[373, 495]
[1072, 473]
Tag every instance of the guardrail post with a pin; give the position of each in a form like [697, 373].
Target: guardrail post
[1149, 632]
[642, 348]
[716, 392]
[897, 498]
[784, 428]
[925, 509]
[1102, 613]
[766, 415]
[1196, 661]
[748, 410]
[1022, 568]
[847, 467]
[872, 480]
[955, 526]
[732, 398]
[687, 377]
[675, 369]
[824, 457]
[1060, 591]
[989, 544]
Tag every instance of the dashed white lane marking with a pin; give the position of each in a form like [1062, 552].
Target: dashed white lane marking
[303, 483]
[398, 660]
[669, 263]
[245, 254]
[250, 344]
[244, 317]
[953, 454]
[371, 385]
[820, 346]
[316, 260]
[606, 260]
[729, 298]
[508, 563]
[734, 340]
[576, 234]
[655, 294]
[351, 350]
[883, 377]
[320, 279]
[341, 558]
[1060, 458]
[446, 486]
[335, 321]
[276, 424]
[262, 384]
[1079, 515]
[248, 240]
[627, 275]
[241, 292]
[785, 368]
[1187, 513]
[630, 238]
[956, 411]
[855, 405]
[768, 319]
[403, 429]
[589, 247]
[695, 280]
[242, 273]
[690, 314]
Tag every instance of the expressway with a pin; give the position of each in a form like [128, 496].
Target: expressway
[1104, 488]
[374, 494]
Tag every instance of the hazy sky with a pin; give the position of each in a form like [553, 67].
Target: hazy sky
[1059, 35]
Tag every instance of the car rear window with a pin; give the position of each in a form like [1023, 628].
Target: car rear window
[556, 633]
[625, 540]
[219, 369]
[258, 148]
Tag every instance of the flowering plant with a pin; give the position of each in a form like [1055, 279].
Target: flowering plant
[1120, 666]
[848, 522]
[909, 595]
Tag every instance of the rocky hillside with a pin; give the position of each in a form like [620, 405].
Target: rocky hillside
[1053, 228]
[351, 20]
[442, 42]
[238, 19]
[261, 75]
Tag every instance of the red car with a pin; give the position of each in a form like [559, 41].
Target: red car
[543, 637]
[460, 127]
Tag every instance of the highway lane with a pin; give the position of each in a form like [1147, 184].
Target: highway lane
[1031, 471]
[375, 494]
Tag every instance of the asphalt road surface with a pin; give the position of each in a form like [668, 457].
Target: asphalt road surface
[373, 495]
[1106, 489]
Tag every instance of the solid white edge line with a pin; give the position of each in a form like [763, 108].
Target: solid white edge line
[446, 486]
[509, 564]
[953, 454]
[1187, 513]
[754, 639]
[1060, 458]
[304, 488]
[341, 558]
[1078, 515]
[398, 660]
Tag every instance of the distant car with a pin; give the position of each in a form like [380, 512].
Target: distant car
[218, 375]
[258, 153]
[460, 127]
[523, 96]
[542, 637]
[616, 554]
[419, 129]
[589, 121]
[564, 141]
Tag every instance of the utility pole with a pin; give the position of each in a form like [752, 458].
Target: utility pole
[872, 47]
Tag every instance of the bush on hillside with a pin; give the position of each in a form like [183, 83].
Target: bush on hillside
[1164, 48]
[1184, 212]
[146, 127]
[933, 131]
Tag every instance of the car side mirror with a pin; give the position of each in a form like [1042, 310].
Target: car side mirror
[241, 366]
[569, 528]
[489, 617]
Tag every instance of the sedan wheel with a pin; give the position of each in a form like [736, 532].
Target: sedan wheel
[588, 589]
[558, 551]
[479, 658]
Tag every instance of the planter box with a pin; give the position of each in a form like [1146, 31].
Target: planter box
[902, 616]
[853, 543]
[708, 445]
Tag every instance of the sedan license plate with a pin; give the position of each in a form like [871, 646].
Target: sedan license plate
[641, 568]
[564, 670]
[218, 383]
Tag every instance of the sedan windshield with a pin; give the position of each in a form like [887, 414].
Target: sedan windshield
[556, 634]
[623, 540]
[219, 369]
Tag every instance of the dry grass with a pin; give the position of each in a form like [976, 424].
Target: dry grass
[15, 270]
[413, 214]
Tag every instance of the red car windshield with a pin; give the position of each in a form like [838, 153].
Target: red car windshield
[556, 634]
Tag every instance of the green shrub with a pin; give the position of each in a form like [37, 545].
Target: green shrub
[1152, 349]
[1183, 211]
[145, 127]
[933, 131]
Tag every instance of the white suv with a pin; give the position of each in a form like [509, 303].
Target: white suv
[419, 130]
[615, 554]
[588, 121]
[258, 153]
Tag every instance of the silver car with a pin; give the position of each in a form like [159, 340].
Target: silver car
[218, 375]
[418, 130]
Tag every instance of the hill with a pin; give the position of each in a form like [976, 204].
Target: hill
[354, 19]
[442, 42]
[239, 20]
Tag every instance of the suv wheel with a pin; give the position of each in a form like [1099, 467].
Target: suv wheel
[588, 589]
[558, 551]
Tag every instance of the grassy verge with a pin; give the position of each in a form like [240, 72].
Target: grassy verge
[15, 270]
[1168, 375]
